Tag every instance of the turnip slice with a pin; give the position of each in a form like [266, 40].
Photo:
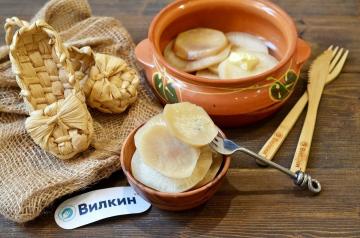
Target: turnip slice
[195, 65]
[217, 160]
[214, 68]
[231, 70]
[173, 59]
[153, 179]
[205, 73]
[155, 120]
[208, 61]
[165, 153]
[190, 123]
[246, 41]
[199, 43]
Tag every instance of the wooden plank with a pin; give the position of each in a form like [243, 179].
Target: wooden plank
[320, 8]
[136, 15]
[251, 203]
[337, 123]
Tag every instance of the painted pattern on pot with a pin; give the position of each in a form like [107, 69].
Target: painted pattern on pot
[279, 89]
[165, 88]
[230, 102]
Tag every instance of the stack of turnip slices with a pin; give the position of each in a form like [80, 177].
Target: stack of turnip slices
[172, 153]
[212, 54]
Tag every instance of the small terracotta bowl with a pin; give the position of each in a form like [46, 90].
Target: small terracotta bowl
[235, 101]
[169, 201]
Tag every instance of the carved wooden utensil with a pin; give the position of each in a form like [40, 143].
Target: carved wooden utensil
[272, 145]
[317, 77]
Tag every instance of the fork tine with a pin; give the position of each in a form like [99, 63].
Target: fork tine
[216, 141]
[216, 147]
[335, 59]
[219, 139]
[334, 50]
[213, 143]
[337, 69]
[219, 136]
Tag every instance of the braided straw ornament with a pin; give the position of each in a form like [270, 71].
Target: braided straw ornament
[109, 83]
[59, 120]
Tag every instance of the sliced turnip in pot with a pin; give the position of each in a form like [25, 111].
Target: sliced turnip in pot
[195, 65]
[242, 64]
[246, 41]
[199, 43]
[205, 73]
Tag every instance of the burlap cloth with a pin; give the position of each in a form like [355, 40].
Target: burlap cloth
[31, 179]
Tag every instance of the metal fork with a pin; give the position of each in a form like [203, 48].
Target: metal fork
[301, 179]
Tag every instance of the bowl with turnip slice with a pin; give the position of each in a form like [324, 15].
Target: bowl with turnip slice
[239, 60]
[169, 169]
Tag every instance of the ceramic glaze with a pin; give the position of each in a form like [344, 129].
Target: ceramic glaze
[230, 102]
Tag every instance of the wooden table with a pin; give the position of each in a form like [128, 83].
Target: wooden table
[253, 201]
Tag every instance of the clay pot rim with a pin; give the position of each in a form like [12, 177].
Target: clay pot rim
[224, 168]
[216, 82]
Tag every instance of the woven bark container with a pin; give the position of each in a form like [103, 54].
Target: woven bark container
[59, 120]
[108, 82]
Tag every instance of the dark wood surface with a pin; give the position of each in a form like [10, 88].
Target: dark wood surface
[253, 202]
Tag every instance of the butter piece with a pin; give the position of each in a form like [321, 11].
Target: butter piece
[245, 60]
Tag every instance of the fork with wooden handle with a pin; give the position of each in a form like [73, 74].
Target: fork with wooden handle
[275, 141]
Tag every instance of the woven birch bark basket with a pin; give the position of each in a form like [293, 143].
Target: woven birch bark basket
[108, 82]
[30, 178]
[59, 120]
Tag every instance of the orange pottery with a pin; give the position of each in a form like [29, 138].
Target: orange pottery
[230, 102]
[169, 201]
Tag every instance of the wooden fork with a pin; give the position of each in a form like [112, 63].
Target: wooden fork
[316, 83]
[275, 141]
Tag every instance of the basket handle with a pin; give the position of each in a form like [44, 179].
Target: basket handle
[10, 25]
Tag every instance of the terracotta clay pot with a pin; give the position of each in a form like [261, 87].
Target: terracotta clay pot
[235, 101]
[169, 201]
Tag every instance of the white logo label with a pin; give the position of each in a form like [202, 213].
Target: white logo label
[97, 205]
